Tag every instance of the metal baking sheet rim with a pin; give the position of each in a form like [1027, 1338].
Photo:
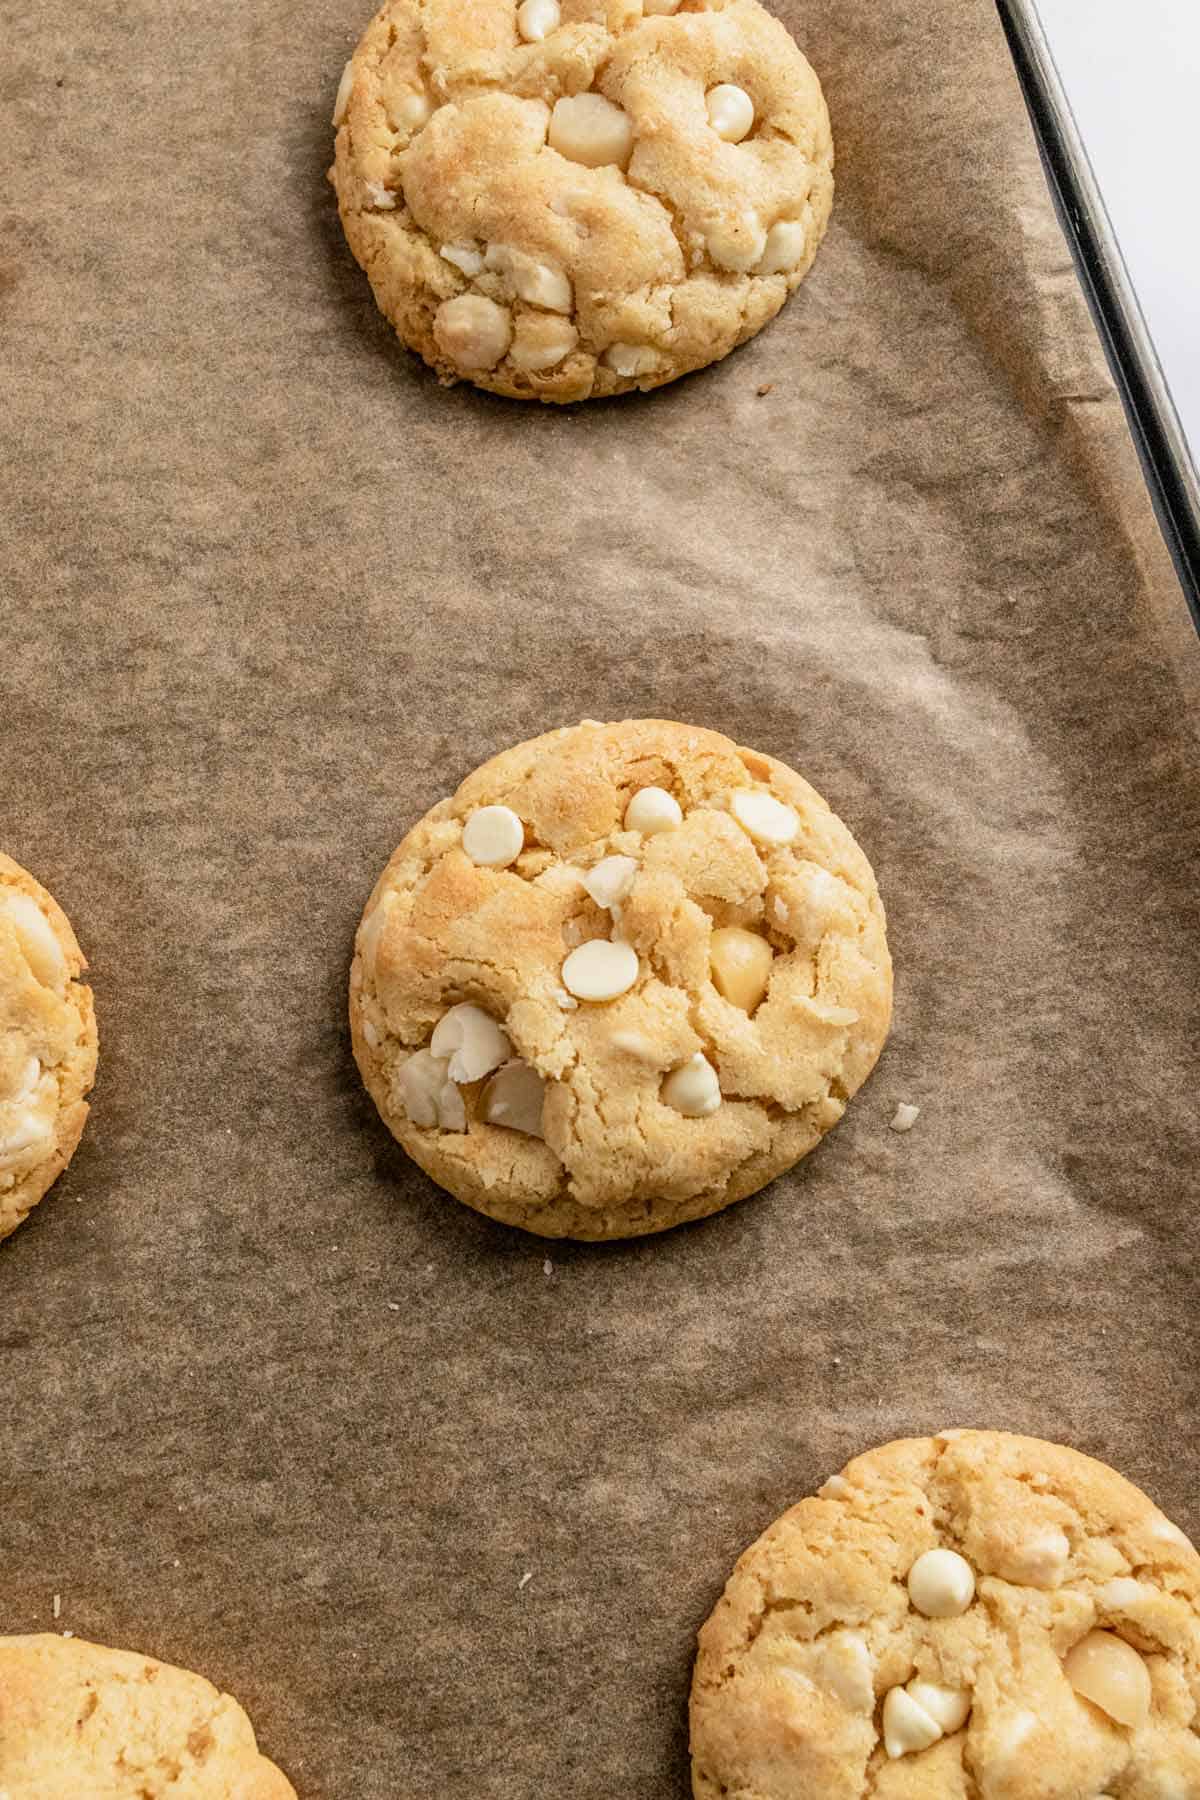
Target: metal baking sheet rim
[1157, 430]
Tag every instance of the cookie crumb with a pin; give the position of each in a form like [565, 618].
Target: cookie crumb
[547, 1267]
[905, 1117]
[393, 1306]
[526, 1578]
[766, 388]
[68, 1634]
[57, 1608]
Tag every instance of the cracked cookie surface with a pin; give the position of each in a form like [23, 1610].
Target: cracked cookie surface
[47, 1043]
[561, 201]
[660, 960]
[1048, 1649]
[77, 1719]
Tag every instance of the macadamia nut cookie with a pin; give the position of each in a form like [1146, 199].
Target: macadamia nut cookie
[968, 1617]
[47, 1043]
[570, 198]
[78, 1722]
[627, 975]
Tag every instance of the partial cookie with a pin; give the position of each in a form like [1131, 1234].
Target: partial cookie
[968, 1617]
[47, 1043]
[627, 975]
[78, 1722]
[562, 201]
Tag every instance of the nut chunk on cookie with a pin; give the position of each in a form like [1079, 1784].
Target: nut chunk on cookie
[78, 1720]
[627, 975]
[47, 1043]
[557, 202]
[906, 1635]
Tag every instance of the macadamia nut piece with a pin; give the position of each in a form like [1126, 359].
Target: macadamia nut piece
[741, 965]
[588, 129]
[472, 331]
[1110, 1673]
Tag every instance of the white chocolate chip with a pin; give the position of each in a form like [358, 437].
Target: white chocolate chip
[600, 970]
[588, 129]
[730, 111]
[907, 1726]
[27, 1079]
[941, 1584]
[413, 111]
[653, 809]
[343, 94]
[632, 360]
[694, 1089]
[1110, 1673]
[610, 880]
[1169, 1532]
[653, 8]
[784, 249]
[737, 244]
[767, 820]
[836, 1488]
[428, 1095]
[370, 1035]
[565, 1001]
[493, 837]
[513, 1098]
[472, 331]
[471, 1041]
[947, 1707]
[27, 1138]
[541, 283]
[536, 19]
[1039, 1561]
[542, 341]
[635, 1043]
[35, 935]
[380, 197]
[741, 965]
[845, 1667]
[904, 1117]
[467, 257]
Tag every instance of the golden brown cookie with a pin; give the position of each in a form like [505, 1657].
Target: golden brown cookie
[78, 1722]
[571, 198]
[967, 1617]
[627, 975]
[47, 1043]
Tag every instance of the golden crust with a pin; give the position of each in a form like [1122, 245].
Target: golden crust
[47, 1023]
[77, 1719]
[818, 1609]
[636, 245]
[617, 1161]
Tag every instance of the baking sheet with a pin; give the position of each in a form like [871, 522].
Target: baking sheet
[276, 1408]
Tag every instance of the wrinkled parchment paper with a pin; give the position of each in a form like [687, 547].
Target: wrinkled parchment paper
[276, 1408]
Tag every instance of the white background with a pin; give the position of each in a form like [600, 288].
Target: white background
[1132, 74]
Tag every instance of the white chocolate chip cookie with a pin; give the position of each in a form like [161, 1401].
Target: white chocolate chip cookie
[565, 201]
[968, 1617]
[590, 999]
[83, 1723]
[47, 1043]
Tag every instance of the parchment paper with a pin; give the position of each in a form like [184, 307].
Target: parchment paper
[277, 1409]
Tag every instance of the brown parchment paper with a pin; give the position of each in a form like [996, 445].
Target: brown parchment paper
[274, 1407]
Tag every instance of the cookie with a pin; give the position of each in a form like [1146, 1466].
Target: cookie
[968, 1617]
[47, 1043]
[77, 1720]
[559, 201]
[627, 975]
